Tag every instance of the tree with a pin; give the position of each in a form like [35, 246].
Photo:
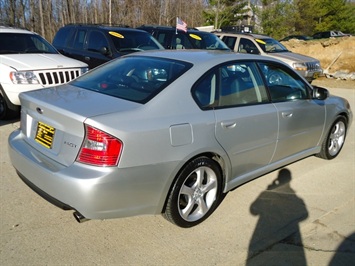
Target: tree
[224, 12]
[277, 17]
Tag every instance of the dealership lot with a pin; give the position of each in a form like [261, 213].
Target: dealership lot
[303, 213]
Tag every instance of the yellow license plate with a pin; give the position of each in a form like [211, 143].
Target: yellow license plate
[315, 75]
[45, 135]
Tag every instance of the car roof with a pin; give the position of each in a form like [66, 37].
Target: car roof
[8, 29]
[171, 28]
[212, 57]
[251, 35]
[104, 27]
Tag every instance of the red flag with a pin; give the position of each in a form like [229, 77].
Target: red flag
[181, 25]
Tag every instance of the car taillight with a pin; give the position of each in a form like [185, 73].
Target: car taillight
[99, 148]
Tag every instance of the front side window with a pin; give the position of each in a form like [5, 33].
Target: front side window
[136, 79]
[247, 46]
[97, 41]
[283, 84]
[229, 85]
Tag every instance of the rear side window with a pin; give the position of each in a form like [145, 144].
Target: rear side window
[136, 79]
[229, 85]
[79, 39]
[230, 41]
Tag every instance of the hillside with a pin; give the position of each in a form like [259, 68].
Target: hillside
[337, 55]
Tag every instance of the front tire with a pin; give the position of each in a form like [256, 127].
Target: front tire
[6, 112]
[335, 139]
[196, 193]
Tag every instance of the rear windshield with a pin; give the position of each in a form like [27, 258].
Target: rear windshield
[136, 79]
[18, 43]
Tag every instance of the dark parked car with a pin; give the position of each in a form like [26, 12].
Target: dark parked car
[171, 132]
[328, 34]
[97, 44]
[171, 38]
[297, 37]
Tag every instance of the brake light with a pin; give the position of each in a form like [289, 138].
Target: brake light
[99, 148]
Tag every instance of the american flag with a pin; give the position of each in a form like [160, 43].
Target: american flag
[181, 25]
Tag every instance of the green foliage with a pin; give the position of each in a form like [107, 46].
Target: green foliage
[280, 18]
[277, 18]
[224, 12]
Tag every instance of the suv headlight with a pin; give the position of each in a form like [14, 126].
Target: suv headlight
[84, 70]
[23, 77]
[300, 66]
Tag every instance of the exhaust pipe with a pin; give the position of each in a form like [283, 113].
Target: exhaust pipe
[79, 217]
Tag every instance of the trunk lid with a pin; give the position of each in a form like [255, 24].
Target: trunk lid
[53, 119]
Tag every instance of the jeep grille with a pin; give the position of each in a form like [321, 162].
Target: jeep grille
[48, 78]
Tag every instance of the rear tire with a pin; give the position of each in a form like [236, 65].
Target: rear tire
[196, 193]
[334, 141]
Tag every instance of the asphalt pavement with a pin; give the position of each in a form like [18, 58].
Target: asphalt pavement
[302, 214]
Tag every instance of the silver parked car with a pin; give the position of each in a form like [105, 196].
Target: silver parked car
[171, 132]
[306, 66]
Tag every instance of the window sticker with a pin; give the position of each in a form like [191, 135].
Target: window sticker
[195, 37]
[116, 34]
[260, 41]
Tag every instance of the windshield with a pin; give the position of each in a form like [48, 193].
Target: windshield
[269, 45]
[19, 43]
[133, 41]
[209, 41]
[136, 78]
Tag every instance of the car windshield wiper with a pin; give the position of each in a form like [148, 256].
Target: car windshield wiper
[130, 49]
[278, 51]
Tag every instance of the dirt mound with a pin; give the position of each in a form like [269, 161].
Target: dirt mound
[335, 54]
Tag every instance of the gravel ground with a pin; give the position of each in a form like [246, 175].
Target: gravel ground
[334, 83]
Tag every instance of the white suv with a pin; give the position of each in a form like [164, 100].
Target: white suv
[29, 62]
[306, 66]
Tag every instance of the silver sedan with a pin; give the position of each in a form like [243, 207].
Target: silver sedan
[170, 132]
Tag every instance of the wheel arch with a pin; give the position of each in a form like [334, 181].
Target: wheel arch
[222, 165]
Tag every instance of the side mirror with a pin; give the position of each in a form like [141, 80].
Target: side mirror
[320, 93]
[104, 50]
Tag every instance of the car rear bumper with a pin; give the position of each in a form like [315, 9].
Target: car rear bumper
[95, 192]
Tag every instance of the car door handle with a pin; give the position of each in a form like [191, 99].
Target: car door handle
[286, 115]
[228, 124]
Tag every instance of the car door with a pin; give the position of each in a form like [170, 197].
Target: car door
[96, 43]
[246, 122]
[301, 118]
[76, 47]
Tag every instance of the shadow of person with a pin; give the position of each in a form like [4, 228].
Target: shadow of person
[345, 254]
[280, 211]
